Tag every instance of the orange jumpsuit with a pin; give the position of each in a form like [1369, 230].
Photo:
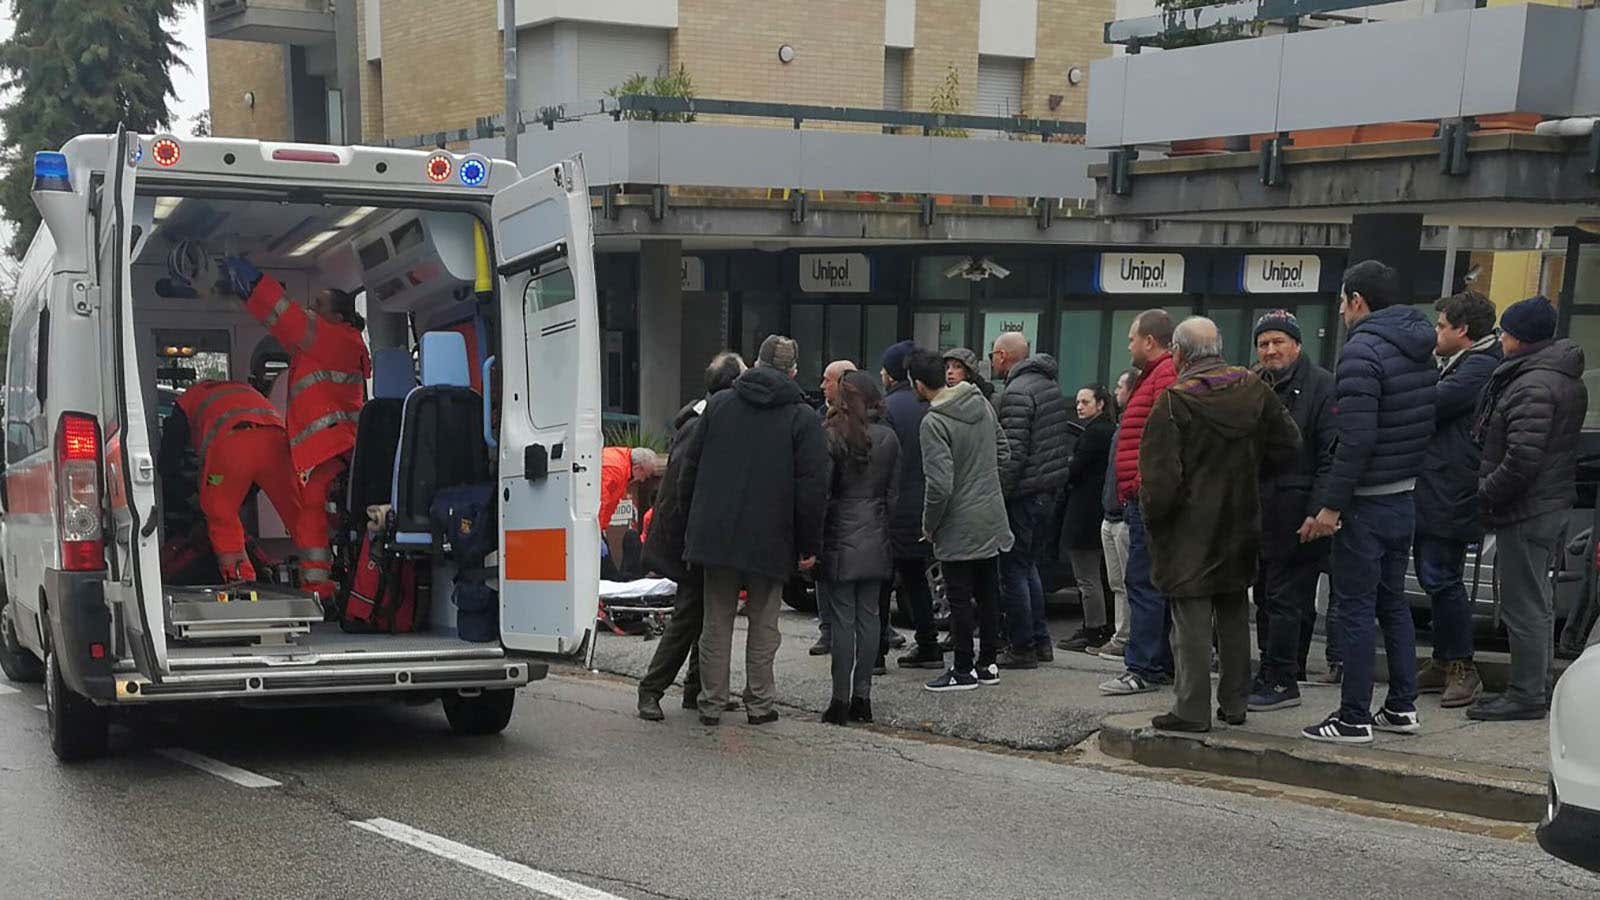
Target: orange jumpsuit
[328, 370]
[616, 470]
[241, 442]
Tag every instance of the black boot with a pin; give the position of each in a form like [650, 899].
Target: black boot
[860, 709]
[650, 708]
[838, 713]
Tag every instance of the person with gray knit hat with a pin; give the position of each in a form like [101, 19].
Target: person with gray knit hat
[961, 364]
[1528, 422]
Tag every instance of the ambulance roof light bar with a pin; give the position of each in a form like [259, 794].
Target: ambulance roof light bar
[50, 171]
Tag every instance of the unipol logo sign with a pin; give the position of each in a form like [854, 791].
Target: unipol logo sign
[1140, 273]
[835, 273]
[1276, 273]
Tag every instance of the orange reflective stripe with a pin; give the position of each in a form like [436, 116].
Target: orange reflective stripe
[223, 419]
[323, 423]
[323, 376]
[277, 311]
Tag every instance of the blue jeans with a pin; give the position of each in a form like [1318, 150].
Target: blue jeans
[1149, 650]
[1371, 551]
[1019, 571]
[1440, 564]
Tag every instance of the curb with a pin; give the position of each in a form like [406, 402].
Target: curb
[1477, 789]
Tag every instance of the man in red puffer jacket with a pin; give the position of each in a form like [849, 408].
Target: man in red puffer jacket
[1148, 655]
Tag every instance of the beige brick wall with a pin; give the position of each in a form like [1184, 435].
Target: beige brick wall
[441, 70]
[237, 67]
[730, 47]
[1071, 33]
[946, 35]
[371, 83]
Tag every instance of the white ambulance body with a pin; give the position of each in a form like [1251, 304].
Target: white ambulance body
[468, 269]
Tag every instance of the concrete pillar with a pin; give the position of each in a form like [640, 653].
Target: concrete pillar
[347, 68]
[1392, 238]
[660, 334]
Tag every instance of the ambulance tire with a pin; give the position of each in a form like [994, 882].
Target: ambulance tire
[78, 729]
[19, 664]
[487, 713]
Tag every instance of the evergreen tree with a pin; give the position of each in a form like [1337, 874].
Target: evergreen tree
[79, 67]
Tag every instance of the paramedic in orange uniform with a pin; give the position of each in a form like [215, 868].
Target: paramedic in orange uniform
[328, 371]
[619, 468]
[241, 443]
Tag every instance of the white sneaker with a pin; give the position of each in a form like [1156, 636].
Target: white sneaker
[1394, 722]
[1127, 683]
[989, 675]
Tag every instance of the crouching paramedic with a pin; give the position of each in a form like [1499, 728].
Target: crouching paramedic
[241, 443]
[328, 371]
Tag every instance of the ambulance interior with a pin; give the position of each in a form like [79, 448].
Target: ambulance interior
[416, 274]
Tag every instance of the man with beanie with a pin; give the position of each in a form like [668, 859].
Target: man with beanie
[1384, 394]
[1286, 581]
[755, 482]
[1528, 424]
[1447, 493]
[1035, 417]
[911, 552]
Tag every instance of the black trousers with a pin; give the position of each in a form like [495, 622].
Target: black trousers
[680, 641]
[973, 586]
[1286, 614]
[916, 598]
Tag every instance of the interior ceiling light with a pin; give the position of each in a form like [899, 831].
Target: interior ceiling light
[313, 242]
[166, 206]
[354, 216]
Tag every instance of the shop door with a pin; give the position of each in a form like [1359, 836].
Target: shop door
[1580, 314]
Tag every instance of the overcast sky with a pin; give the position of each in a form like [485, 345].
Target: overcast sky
[190, 85]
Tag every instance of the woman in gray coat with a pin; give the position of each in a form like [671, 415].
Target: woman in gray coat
[856, 555]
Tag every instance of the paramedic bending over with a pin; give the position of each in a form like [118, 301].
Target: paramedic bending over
[328, 371]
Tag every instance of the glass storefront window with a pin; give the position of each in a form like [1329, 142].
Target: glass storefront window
[1117, 346]
[1585, 329]
[882, 332]
[1078, 351]
[932, 283]
[996, 323]
[941, 330]
[805, 326]
[761, 315]
[844, 333]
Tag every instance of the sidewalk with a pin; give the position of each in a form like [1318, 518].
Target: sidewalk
[1495, 770]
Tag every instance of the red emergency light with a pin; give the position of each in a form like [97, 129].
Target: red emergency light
[165, 152]
[439, 167]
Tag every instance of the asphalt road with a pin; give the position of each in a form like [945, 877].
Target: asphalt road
[580, 799]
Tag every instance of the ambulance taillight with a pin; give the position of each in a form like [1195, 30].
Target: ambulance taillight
[78, 493]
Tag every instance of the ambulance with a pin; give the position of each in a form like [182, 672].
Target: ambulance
[478, 289]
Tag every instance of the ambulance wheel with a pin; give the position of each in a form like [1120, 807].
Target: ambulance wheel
[487, 713]
[19, 664]
[78, 728]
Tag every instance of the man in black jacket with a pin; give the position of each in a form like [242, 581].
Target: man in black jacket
[756, 475]
[1036, 419]
[1528, 424]
[1286, 584]
[663, 553]
[905, 411]
[1447, 493]
[1384, 390]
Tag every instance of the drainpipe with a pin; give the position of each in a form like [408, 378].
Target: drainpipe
[508, 35]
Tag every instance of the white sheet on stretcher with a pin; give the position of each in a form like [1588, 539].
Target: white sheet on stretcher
[638, 589]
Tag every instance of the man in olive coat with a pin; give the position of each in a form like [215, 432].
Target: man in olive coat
[1199, 469]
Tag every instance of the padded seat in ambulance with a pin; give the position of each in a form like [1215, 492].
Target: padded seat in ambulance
[441, 437]
[378, 434]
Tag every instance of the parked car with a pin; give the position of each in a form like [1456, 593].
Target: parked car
[1571, 826]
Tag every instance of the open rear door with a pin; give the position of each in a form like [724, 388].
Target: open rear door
[133, 551]
[550, 437]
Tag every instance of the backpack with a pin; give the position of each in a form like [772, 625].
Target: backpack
[385, 594]
[464, 517]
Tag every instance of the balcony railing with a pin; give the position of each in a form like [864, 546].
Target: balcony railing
[304, 22]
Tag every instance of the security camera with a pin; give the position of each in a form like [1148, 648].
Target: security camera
[976, 268]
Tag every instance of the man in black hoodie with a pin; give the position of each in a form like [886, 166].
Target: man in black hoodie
[1528, 424]
[1384, 396]
[663, 553]
[756, 481]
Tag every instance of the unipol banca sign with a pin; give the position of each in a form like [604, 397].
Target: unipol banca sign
[1277, 273]
[835, 273]
[1140, 273]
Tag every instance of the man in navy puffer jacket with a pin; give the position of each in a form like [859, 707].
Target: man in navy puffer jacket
[1384, 412]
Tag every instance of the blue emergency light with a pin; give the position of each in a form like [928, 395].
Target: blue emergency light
[474, 172]
[50, 172]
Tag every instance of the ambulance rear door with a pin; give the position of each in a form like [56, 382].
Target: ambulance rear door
[133, 544]
[550, 435]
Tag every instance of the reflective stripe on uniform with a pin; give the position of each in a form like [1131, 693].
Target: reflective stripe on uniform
[225, 418]
[322, 424]
[324, 376]
[317, 554]
[277, 310]
[308, 338]
[226, 390]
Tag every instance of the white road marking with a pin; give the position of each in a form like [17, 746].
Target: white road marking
[218, 768]
[540, 882]
[8, 689]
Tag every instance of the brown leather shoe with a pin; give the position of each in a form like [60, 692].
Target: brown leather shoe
[1432, 678]
[1462, 684]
